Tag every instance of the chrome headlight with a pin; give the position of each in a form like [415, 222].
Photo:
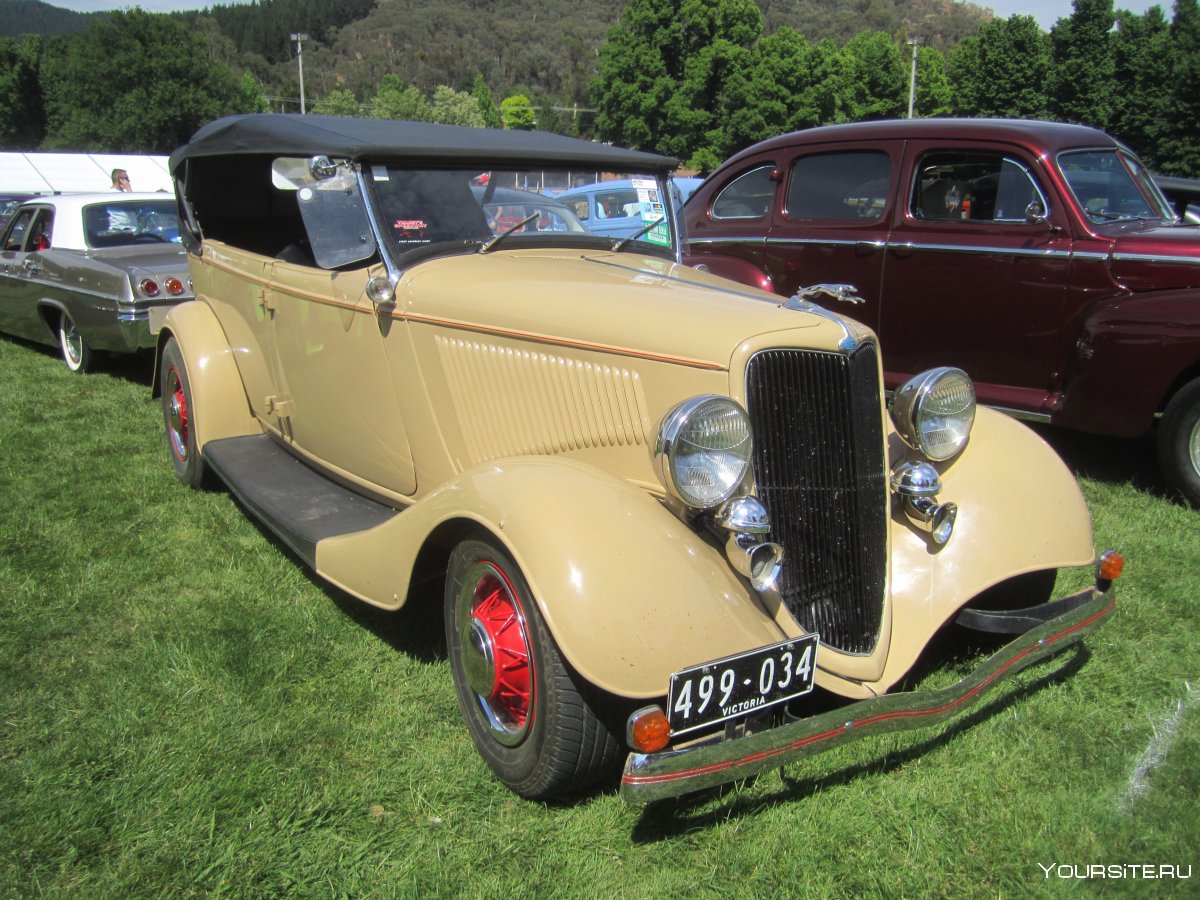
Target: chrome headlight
[703, 450]
[933, 412]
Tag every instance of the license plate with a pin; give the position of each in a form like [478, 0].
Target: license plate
[724, 688]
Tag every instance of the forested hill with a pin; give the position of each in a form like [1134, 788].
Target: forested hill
[19, 17]
[539, 46]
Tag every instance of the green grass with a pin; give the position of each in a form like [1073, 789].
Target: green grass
[184, 710]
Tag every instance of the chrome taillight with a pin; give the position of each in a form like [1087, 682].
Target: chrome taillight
[174, 286]
[148, 287]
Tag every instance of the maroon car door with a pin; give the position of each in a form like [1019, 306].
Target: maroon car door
[830, 224]
[977, 271]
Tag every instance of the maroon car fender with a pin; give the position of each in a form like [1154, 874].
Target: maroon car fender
[732, 268]
[1131, 355]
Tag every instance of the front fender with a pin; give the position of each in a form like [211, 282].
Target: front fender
[1020, 511]
[220, 408]
[630, 593]
[731, 267]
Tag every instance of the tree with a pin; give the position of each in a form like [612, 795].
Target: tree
[1180, 142]
[23, 115]
[934, 97]
[663, 72]
[517, 112]
[1082, 85]
[1002, 71]
[250, 95]
[878, 76]
[135, 82]
[338, 103]
[451, 107]
[487, 103]
[396, 100]
[1142, 69]
[549, 118]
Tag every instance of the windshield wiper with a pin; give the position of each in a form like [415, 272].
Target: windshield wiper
[637, 234]
[496, 239]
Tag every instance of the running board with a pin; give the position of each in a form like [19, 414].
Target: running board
[300, 505]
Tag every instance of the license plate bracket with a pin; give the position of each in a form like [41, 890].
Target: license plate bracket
[722, 689]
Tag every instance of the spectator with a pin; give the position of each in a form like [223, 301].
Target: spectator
[120, 180]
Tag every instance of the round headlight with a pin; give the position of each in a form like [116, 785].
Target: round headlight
[933, 412]
[703, 450]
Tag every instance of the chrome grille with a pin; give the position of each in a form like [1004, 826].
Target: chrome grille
[820, 468]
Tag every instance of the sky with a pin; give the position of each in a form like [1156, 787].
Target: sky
[1047, 12]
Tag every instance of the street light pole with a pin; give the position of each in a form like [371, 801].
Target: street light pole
[912, 81]
[299, 37]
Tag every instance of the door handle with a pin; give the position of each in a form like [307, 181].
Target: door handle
[30, 267]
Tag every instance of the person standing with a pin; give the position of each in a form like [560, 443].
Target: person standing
[120, 180]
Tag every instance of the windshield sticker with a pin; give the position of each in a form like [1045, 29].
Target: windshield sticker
[651, 209]
[411, 231]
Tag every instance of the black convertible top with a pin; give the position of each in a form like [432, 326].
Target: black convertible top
[386, 140]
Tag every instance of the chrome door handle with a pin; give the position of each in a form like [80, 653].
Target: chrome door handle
[30, 267]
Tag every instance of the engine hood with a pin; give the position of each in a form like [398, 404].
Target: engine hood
[1157, 258]
[623, 302]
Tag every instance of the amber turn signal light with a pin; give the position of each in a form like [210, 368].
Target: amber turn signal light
[648, 730]
[1109, 566]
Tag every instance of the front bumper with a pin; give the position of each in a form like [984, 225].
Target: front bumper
[672, 773]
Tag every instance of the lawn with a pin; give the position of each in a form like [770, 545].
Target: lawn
[184, 710]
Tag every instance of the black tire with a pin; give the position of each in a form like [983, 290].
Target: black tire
[75, 352]
[1179, 442]
[178, 417]
[526, 717]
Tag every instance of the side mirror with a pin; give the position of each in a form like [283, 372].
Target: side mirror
[322, 168]
[1035, 213]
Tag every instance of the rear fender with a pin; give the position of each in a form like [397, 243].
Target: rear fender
[220, 406]
[628, 590]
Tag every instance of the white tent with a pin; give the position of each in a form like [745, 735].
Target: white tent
[64, 173]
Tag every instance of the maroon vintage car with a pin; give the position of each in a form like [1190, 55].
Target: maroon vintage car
[1039, 257]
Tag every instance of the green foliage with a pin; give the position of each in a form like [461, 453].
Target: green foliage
[1142, 67]
[23, 118]
[487, 103]
[1082, 87]
[934, 94]
[135, 82]
[1003, 70]
[338, 102]
[1179, 149]
[451, 107]
[396, 100]
[517, 112]
[878, 78]
[21, 17]
[250, 95]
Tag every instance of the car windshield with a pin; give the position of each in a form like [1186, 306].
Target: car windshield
[1112, 186]
[422, 208]
[119, 223]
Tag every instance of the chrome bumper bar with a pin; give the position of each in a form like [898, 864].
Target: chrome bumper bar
[672, 773]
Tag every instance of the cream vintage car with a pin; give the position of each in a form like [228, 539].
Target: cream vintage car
[662, 507]
[82, 271]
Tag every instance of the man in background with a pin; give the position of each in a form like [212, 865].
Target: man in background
[120, 180]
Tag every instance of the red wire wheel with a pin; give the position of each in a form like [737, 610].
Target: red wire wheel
[179, 410]
[527, 712]
[496, 652]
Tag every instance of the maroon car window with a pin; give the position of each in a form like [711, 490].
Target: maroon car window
[746, 197]
[851, 184]
[956, 186]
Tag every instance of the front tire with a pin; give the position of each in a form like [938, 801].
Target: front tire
[178, 415]
[1179, 442]
[525, 715]
[75, 352]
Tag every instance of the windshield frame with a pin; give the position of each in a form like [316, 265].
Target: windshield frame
[400, 254]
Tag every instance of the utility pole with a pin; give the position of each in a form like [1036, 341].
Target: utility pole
[912, 81]
[299, 37]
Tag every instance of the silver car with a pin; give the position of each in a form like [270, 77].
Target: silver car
[82, 272]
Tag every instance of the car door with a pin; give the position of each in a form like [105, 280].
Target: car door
[21, 270]
[830, 222]
[977, 271]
